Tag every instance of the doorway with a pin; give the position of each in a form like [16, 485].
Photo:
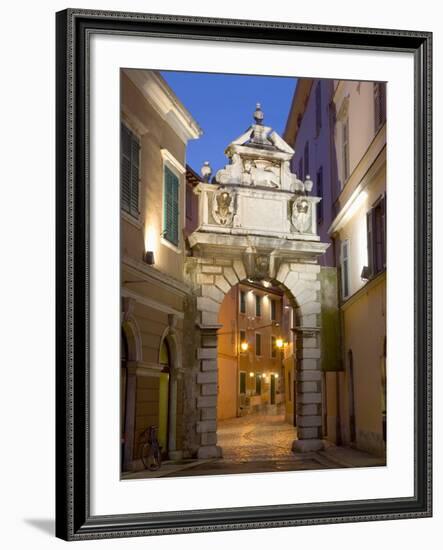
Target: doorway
[164, 397]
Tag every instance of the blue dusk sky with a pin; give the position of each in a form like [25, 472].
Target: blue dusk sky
[223, 106]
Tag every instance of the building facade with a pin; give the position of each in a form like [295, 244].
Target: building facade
[251, 344]
[155, 129]
[338, 130]
[359, 231]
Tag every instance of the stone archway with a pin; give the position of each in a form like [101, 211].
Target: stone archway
[257, 221]
[213, 278]
[132, 336]
[175, 374]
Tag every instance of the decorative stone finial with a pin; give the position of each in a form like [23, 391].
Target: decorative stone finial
[206, 171]
[308, 183]
[258, 114]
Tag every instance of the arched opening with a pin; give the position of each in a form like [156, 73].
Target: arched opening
[123, 393]
[256, 394]
[383, 390]
[164, 396]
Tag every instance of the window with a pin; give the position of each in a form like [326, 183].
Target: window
[257, 305]
[300, 169]
[345, 269]
[376, 237]
[318, 108]
[129, 171]
[345, 149]
[257, 344]
[273, 310]
[242, 383]
[273, 347]
[170, 207]
[258, 384]
[242, 301]
[320, 194]
[379, 104]
[306, 161]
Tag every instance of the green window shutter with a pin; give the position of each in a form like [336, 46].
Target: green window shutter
[170, 205]
[135, 148]
[125, 168]
[129, 171]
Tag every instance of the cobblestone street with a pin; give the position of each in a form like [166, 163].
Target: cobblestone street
[261, 443]
[256, 438]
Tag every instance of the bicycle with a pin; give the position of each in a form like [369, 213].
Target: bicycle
[151, 451]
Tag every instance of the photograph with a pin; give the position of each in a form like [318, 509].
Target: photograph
[252, 274]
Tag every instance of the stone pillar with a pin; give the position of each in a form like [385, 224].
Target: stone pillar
[207, 398]
[309, 393]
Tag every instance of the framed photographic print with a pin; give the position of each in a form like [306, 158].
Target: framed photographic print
[243, 274]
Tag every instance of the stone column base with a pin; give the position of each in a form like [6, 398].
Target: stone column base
[307, 445]
[209, 451]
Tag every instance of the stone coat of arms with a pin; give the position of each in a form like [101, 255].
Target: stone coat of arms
[223, 207]
[301, 215]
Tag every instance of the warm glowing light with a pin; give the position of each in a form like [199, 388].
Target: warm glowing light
[150, 238]
[276, 375]
[279, 342]
[251, 375]
[266, 284]
[244, 346]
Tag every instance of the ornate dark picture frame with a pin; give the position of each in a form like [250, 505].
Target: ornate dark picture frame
[74, 30]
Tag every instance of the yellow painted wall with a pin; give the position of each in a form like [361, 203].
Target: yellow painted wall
[138, 113]
[365, 331]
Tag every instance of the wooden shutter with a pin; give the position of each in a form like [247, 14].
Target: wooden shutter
[257, 305]
[242, 382]
[345, 268]
[135, 148]
[258, 344]
[379, 104]
[125, 168]
[129, 171]
[370, 240]
[171, 211]
[273, 347]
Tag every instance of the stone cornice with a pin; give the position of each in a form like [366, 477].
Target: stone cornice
[149, 273]
[155, 89]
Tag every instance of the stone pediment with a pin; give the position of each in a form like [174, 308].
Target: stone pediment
[259, 158]
[256, 193]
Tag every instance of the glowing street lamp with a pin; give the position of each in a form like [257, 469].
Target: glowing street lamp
[279, 343]
[244, 346]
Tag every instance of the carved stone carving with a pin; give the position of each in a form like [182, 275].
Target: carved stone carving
[231, 173]
[223, 207]
[301, 214]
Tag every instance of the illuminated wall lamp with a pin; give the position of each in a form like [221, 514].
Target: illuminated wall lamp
[149, 257]
[279, 342]
[251, 375]
[244, 346]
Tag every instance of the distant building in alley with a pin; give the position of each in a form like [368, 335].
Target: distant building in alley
[251, 351]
